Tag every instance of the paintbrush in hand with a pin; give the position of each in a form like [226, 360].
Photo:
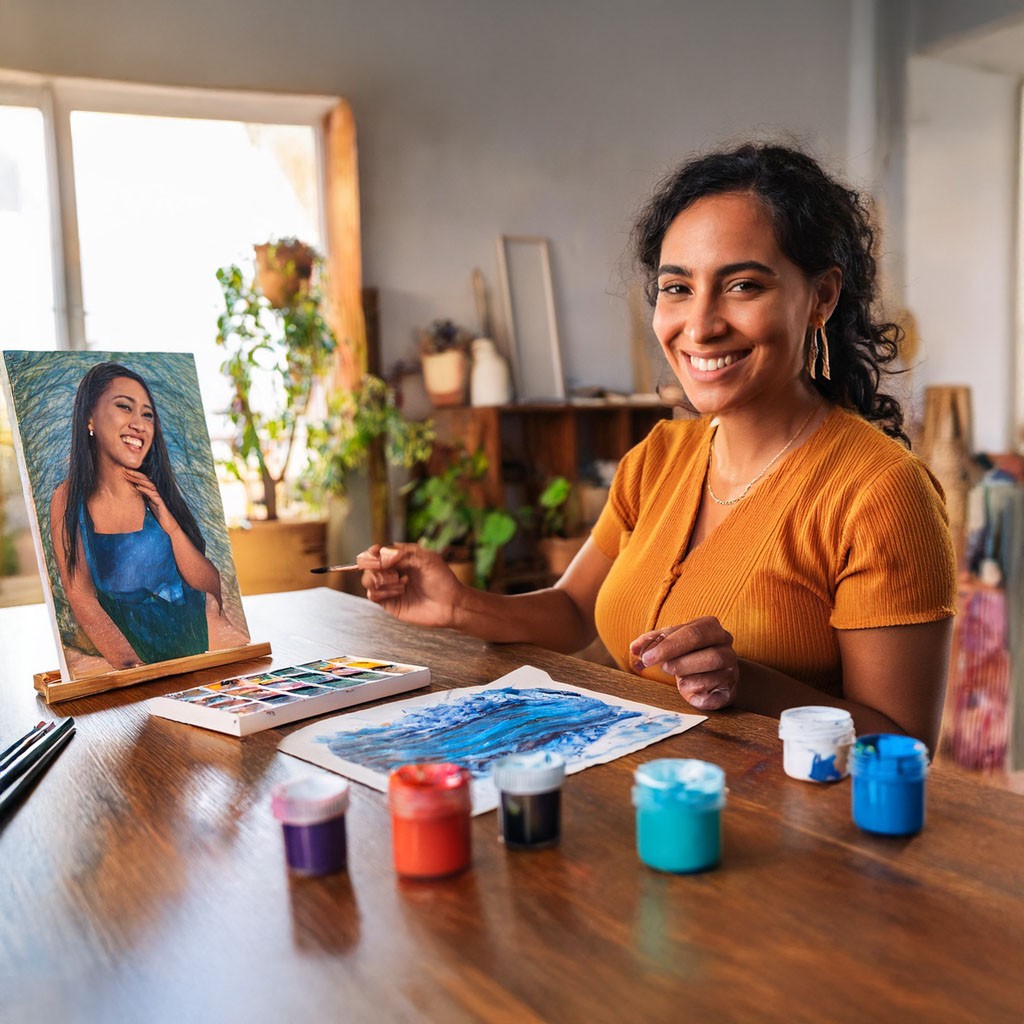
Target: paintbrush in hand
[335, 568]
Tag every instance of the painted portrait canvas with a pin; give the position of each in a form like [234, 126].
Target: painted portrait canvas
[117, 467]
[473, 726]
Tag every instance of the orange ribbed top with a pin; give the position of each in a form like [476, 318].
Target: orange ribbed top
[850, 531]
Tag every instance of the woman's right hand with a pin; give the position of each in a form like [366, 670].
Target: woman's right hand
[411, 583]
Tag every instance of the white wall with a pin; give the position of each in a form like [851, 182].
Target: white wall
[477, 118]
[961, 228]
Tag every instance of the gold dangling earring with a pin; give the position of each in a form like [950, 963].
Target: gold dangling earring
[826, 370]
[812, 354]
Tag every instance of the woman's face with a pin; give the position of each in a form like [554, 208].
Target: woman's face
[733, 312]
[122, 423]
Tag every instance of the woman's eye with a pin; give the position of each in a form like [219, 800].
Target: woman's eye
[745, 286]
[147, 416]
[673, 289]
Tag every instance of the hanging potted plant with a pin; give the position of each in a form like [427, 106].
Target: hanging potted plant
[284, 270]
[275, 358]
[444, 355]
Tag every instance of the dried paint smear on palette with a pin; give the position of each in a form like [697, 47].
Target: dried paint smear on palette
[247, 704]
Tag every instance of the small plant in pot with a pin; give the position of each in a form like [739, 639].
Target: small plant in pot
[444, 355]
[558, 541]
[445, 516]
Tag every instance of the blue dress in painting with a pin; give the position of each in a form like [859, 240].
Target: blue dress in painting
[139, 586]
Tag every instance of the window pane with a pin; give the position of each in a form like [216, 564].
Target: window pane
[162, 203]
[27, 319]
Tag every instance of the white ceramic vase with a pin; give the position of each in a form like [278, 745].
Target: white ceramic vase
[489, 377]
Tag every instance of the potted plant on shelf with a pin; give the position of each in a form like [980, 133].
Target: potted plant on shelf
[558, 541]
[444, 355]
[274, 358]
[446, 516]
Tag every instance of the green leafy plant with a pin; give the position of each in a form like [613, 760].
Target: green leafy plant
[273, 358]
[445, 516]
[357, 421]
[553, 502]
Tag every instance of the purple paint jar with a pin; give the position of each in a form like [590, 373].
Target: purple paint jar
[311, 810]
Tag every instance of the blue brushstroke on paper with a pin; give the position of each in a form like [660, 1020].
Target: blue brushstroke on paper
[474, 730]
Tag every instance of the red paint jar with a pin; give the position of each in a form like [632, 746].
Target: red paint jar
[430, 811]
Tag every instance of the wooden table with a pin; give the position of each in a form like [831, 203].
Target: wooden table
[144, 877]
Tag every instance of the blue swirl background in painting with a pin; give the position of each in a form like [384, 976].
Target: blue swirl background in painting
[475, 729]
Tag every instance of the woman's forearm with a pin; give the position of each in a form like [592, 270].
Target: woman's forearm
[548, 618]
[766, 691]
[195, 568]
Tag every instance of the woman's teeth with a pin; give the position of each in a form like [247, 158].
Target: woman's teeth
[134, 442]
[711, 364]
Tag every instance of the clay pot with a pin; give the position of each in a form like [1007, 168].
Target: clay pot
[283, 270]
[445, 375]
[558, 552]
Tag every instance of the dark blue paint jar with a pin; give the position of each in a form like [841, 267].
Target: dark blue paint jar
[889, 772]
[679, 805]
[311, 810]
[529, 798]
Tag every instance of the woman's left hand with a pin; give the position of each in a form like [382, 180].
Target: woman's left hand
[699, 654]
[151, 495]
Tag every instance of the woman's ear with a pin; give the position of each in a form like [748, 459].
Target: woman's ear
[829, 288]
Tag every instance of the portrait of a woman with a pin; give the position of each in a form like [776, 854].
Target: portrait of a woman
[131, 556]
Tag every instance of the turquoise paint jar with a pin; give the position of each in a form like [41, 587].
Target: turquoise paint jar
[679, 814]
[889, 774]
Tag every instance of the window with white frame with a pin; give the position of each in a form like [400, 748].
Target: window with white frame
[117, 205]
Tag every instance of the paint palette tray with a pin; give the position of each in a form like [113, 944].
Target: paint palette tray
[247, 704]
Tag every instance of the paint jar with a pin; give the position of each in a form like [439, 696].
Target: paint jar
[816, 743]
[430, 811]
[679, 814]
[889, 773]
[529, 799]
[312, 810]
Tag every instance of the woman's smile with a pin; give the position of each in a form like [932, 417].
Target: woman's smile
[122, 423]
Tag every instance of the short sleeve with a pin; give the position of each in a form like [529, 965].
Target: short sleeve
[896, 564]
[619, 516]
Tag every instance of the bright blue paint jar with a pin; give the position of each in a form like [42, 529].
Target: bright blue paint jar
[889, 773]
[679, 814]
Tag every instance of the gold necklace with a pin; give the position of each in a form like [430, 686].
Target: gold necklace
[775, 458]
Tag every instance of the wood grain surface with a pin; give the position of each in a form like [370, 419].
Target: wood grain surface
[144, 876]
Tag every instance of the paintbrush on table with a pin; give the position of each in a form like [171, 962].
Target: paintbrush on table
[19, 745]
[16, 778]
[335, 568]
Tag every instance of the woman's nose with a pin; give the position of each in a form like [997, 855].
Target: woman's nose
[703, 322]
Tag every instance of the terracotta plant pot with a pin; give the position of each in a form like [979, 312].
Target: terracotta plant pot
[283, 270]
[445, 375]
[558, 552]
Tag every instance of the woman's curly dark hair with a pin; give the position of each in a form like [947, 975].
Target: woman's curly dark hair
[819, 223]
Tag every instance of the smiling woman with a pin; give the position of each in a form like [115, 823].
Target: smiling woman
[141, 594]
[778, 549]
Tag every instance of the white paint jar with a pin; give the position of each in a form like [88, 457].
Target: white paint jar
[816, 743]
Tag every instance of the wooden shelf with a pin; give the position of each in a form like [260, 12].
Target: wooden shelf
[526, 445]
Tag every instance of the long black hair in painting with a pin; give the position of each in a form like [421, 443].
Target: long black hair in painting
[82, 462]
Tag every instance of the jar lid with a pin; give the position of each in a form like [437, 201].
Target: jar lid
[309, 799]
[889, 755]
[680, 780]
[816, 722]
[534, 771]
[429, 789]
